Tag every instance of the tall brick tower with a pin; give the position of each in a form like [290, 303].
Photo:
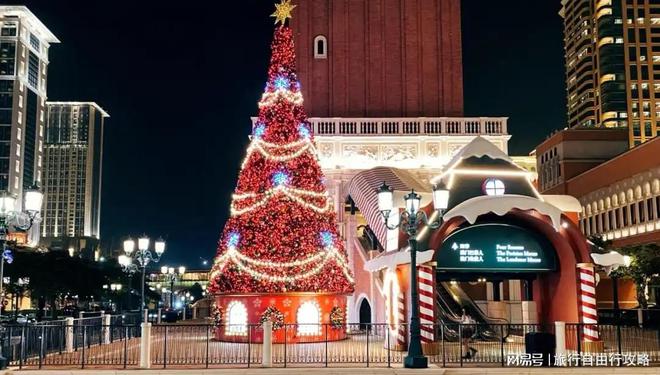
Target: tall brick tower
[380, 58]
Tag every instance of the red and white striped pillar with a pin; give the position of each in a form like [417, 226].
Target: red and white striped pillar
[402, 329]
[587, 280]
[426, 298]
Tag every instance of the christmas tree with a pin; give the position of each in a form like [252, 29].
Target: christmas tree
[282, 233]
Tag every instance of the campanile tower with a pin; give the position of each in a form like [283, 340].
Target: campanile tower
[380, 58]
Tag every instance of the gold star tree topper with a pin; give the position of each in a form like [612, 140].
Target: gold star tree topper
[283, 11]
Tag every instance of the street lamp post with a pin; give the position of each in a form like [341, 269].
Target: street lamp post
[410, 219]
[133, 259]
[172, 275]
[21, 220]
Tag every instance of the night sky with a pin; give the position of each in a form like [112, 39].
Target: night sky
[180, 82]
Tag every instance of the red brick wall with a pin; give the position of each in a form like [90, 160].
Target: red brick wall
[641, 158]
[386, 58]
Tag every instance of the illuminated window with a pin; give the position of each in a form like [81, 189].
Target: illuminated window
[236, 319]
[320, 47]
[309, 319]
[493, 186]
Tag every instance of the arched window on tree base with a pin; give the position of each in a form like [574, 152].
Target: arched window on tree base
[308, 318]
[236, 319]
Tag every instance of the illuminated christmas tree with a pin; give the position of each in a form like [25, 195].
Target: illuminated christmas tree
[281, 236]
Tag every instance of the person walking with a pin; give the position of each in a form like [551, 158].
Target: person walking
[467, 331]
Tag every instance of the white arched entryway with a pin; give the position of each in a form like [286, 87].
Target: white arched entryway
[365, 311]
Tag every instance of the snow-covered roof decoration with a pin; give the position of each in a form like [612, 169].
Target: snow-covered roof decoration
[478, 147]
[392, 259]
[500, 205]
[566, 203]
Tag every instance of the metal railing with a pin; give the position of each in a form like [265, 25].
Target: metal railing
[39, 345]
[364, 345]
[617, 341]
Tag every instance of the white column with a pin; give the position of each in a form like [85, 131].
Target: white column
[68, 338]
[145, 346]
[106, 328]
[560, 338]
[267, 350]
[350, 226]
[194, 313]
[529, 312]
[160, 314]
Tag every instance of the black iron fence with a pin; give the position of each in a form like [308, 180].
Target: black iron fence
[363, 345]
[79, 345]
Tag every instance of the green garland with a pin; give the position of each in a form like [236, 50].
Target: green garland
[274, 315]
[337, 317]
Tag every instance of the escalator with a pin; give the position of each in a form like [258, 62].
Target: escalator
[451, 301]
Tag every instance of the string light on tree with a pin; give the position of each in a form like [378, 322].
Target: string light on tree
[280, 178]
[259, 130]
[326, 239]
[281, 83]
[303, 130]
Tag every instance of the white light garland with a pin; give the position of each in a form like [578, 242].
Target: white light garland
[284, 146]
[285, 157]
[270, 98]
[303, 192]
[295, 263]
[297, 195]
[324, 256]
[263, 146]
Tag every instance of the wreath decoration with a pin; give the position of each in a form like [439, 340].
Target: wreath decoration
[274, 315]
[337, 318]
[216, 315]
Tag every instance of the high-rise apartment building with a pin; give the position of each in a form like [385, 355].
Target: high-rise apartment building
[613, 65]
[72, 175]
[24, 44]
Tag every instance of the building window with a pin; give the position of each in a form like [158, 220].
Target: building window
[320, 47]
[33, 70]
[649, 208]
[493, 186]
[34, 41]
[236, 319]
[8, 30]
[308, 318]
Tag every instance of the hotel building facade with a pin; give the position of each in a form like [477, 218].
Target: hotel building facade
[24, 46]
[73, 173]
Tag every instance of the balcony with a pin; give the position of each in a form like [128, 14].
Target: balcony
[344, 126]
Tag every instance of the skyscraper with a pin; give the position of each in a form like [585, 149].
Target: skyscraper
[613, 65]
[24, 44]
[73, 170]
